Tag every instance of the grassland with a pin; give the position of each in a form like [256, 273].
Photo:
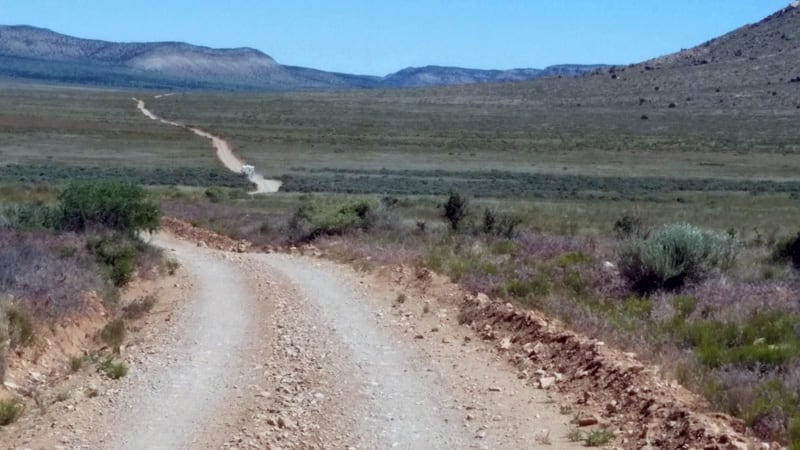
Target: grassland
[84, 127]
[55, 135]
[552, 127]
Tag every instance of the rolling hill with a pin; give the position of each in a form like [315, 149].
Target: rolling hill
[36, 54]
[755, 68]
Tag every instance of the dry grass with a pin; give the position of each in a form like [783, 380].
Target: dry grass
[51, 273]
[139, 308]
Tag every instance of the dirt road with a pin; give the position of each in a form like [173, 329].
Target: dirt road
[223, 150]
[294, 352]
[263, 350]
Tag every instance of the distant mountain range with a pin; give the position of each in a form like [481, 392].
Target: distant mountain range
[40, 55]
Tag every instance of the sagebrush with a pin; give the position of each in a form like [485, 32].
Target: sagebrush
[672, 255]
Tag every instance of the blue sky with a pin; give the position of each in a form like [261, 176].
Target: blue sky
[378, 37]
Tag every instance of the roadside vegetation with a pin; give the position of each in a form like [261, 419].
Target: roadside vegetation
[67, 245]
[713, 305]
[158, 176]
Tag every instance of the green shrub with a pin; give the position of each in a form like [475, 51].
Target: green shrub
[672, 255]
[771, 396]
[489, 268]
[112, 369]
[575, 283]
[309, 223]
[171, 266]
[350, 216]
[684, 306]
[489, 221]
[122, 207]
[629, 226]
[500, 224]
[631, 314]
[458, 265]
[596, 438]
[794, 432]
[113, 334]
[767, 339]
[507, 226]
[28, 217]
[788, 250]
[118, 255]
[517, 288]
[76, 363]
[572, 259]
[575, 435]
[505, 247]
[455, 210]
[216, 194]
[139, 308]
[10, 410]
[19, 327]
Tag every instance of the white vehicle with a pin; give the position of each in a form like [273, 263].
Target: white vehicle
[248, 170]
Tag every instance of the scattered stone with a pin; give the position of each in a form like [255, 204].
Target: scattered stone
[546, 382]
[588, 421]
[284, 422]
[505, 344]
[482, 299]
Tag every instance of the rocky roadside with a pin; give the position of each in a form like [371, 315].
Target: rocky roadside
[63, 403]
[397, 345]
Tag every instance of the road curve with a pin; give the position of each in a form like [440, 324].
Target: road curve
[223, 149]
[181, 392]
[273, 350]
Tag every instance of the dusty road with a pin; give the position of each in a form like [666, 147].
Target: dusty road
[279, 351]
[223, 150]
[264, 350]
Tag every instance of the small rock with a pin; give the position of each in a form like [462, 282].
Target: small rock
[546, 382]
[505, 344]
[482, 298]
[588, 421]
[36, 376]
[495, 389]
[285, 423]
